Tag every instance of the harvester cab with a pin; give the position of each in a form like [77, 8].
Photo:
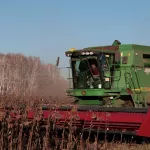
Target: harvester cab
[93, 73]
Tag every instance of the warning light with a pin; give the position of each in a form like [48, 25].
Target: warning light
[72, 49]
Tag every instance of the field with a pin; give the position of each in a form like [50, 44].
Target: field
[27, 83]
[25, 135]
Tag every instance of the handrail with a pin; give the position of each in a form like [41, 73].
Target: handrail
[132, 81]
[127, 81]
[137, 80]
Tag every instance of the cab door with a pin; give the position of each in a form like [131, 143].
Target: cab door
[106, 62]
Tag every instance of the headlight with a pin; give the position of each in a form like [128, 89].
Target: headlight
[87, 53]
[91, 53]
[69, 55]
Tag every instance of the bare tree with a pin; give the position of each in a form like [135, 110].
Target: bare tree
[23, 78]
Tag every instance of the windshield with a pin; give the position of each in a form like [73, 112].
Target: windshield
[85, 72]
[93, 71]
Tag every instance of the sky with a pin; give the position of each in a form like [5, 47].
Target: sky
[48, 28]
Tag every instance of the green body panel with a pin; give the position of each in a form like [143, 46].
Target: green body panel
[96, 92]
[90, 102]
[130, 78]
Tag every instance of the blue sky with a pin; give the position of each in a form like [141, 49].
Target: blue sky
[47, 28]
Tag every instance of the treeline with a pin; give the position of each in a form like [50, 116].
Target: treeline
[25, 79]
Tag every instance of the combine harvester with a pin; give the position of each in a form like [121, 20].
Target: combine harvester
[111, 88]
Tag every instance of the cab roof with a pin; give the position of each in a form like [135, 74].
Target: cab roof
[116, 46]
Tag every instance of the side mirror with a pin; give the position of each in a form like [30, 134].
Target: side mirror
[57, 61]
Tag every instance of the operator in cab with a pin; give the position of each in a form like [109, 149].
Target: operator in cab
[95, 70]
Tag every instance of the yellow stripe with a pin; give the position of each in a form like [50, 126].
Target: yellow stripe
[145, 89]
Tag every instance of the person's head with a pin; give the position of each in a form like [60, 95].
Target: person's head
[93, 66]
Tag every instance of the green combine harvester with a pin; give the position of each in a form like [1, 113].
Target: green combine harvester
[111, 88]
[114, 76]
